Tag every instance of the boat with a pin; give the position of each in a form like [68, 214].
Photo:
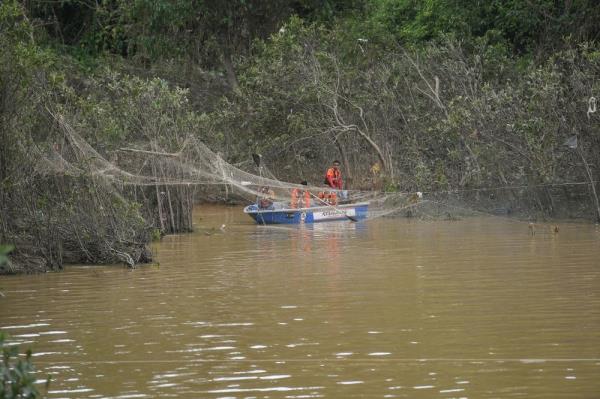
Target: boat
[313, 214]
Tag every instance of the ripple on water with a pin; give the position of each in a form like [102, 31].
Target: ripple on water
[257, 371]
[275, 377]
[452, 390]
[236, 378]
[80, 390]
[24, 326]
[270, 389]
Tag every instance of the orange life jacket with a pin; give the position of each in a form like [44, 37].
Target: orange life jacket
[295, 197]
[329, 197]
[333, 178]
[294, 201]
[333, 198]
[306, 198]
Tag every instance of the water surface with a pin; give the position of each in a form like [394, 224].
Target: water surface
[389, 308]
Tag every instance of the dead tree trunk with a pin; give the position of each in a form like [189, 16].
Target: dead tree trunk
[230, 71]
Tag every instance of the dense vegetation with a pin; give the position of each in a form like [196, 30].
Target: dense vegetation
[17, 374]
[432, 95]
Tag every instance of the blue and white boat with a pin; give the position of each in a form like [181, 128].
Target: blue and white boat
[313, 214]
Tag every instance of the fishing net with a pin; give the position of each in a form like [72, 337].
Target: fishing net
[189, 163]
[177, 168]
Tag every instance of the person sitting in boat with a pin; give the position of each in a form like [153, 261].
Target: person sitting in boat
[266, 198]
[300, 198]
[333, 177]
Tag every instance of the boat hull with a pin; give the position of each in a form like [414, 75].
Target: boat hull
[308, 215]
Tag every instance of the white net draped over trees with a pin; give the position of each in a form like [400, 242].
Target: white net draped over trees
[149, 168]
[168, 183]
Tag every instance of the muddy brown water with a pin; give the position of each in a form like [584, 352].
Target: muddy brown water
[389, 308]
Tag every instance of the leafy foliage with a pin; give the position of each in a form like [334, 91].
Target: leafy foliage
[525, 25]
[17, 379]
[4, 251]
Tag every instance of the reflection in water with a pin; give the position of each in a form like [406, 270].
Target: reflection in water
[386, 308]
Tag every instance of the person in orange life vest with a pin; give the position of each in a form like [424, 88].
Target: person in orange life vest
[333, 177]
[297, 193]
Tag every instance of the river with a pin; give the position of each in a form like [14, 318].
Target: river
[388, 308]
